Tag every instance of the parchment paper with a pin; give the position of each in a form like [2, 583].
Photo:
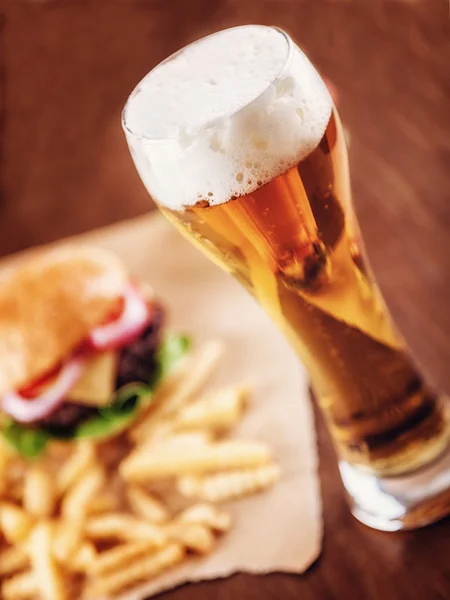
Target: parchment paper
[279, 530]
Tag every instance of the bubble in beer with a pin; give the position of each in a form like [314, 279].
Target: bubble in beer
[225, 115]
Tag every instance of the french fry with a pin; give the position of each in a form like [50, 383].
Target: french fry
[123, 554]
[146, 506]
[15, 523]
[182, 439]
[124, 527]
[160, 430]
[39, 493]
[15, 493]
[222, 487]
[67, 538]
[83, 559]
[193, 536]
[103, 503]
[172, 461]
[198, 371]
[14, 479]
[4, 461]
[76, 465]
[12, 559]
[218, 410]
[20, 587]
[208, 515]
[141, 569]
[3, 471]
[48, 577]
[75, 503]
[59, 451]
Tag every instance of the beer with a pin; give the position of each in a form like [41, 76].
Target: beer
[288, 243]
[259, 180]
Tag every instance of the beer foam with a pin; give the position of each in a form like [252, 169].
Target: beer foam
[224, 116]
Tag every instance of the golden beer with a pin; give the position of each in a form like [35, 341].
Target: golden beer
[289, 243]
[237, 140]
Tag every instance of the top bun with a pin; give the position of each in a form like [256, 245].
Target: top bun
[48, 307]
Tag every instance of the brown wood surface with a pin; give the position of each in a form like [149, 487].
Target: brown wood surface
[66, 68]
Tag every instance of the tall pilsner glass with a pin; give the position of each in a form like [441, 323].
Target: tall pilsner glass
[237, 140]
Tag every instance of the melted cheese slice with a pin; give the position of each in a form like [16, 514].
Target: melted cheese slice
[97, 384]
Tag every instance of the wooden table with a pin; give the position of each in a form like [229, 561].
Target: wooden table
[66, 70]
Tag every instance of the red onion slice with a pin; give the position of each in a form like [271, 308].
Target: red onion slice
[31, 410]
[131, 322]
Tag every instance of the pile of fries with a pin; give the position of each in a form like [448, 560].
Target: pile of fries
[94, 521]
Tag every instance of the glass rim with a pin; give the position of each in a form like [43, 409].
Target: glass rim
[155, 140]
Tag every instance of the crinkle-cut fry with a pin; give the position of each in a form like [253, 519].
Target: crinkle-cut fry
[20, 587]
[84, 558]
[229, 486]
[49, 578]
[123, 554]
[193, 536]
[82, 458]
[197, 372]
[124, 527]
[182, 439]
[207, 514]
[146, 506]
[39, 493]
[140, 570]
[217, 410]
[12, 559]
[67, 537]
[172, 461]
[15, 523]
[75, 503]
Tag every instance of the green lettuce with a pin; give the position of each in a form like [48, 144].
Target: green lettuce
[28, 441]
[109, 420]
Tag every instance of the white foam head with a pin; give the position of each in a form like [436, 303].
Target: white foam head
[225, 115]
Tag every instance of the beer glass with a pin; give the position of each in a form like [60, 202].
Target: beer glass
[237, 140]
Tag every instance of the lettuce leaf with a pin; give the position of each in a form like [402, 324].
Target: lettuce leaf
[109, 420]
[169, 354]
[28, 441]
[116, 417]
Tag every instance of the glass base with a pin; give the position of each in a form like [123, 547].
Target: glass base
[400, 502]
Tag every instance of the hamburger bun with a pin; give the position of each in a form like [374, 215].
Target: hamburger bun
[49, 305]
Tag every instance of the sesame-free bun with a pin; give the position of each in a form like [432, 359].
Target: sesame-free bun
[49, 304]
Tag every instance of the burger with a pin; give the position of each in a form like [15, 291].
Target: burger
[82, 348]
